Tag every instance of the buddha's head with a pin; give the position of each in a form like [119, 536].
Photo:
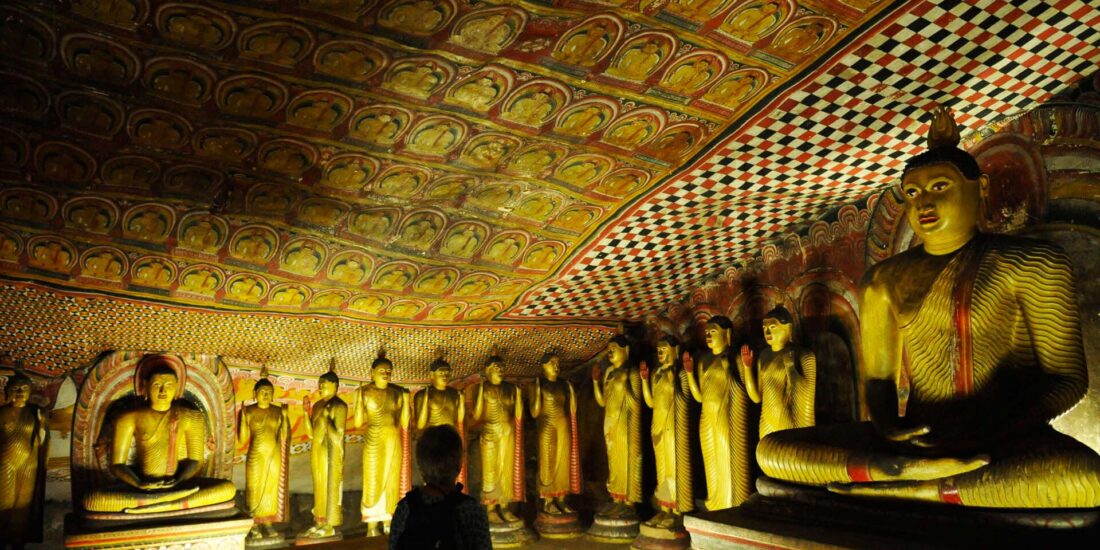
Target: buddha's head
[381, 370]
[943, 189]
[328, 384]
[717, 333]
[778, 325]
[18, 390]
[161, 387]
[668, 349]
[264, 391]
[618, 350]
[551, 366]
[494, 370]
[440, 373]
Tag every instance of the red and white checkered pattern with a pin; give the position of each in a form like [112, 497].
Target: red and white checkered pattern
[832, 136]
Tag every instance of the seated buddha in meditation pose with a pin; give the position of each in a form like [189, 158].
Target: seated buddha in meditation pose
[986, 331]
[168, 440]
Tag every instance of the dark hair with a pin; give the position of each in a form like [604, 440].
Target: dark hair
[780, 313]
[261, 384]
[381, 360]
[961, 160]
[546, 357]
[494, 359]
[722, 321]
[160, 368]
[17, 379]
[331, 376]
[439, 454]
[670, 340]
[439, 364]
[620, 341]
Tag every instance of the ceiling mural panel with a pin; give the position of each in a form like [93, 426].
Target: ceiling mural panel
[405, 160]
[840, 133]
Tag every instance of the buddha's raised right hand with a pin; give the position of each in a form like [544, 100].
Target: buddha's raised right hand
[595, 372]
[689, 363]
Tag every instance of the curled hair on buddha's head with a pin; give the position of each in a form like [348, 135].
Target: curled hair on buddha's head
[943, 147]
[619, 340]
[19, 379]
[721, 321]
[439, 363]
[547, 357]
[780, 313]
[261, 384]
[669, 339]
[439, 455]
[381, 360]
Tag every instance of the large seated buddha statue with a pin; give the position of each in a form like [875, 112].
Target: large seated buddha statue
[983, 333]
[157, 452]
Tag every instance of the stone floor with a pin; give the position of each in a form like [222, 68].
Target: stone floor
[544, 544]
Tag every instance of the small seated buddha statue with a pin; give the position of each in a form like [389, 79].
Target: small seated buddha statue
[982, 332]
[168, 440]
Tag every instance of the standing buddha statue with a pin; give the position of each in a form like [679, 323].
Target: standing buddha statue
[554, 406]
[265, 428]
[22, 463]
[783, 377]
[667, 393]
[384, 408]
[439, 404]
[167, 439]
[325, 428]
[724, 419]
[982, 332]
[500, 405]
[619, 392]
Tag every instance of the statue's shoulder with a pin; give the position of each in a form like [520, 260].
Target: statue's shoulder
[1012, 247]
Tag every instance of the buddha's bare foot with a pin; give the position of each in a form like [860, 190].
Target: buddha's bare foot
[326, 531]
[386, 527]
[494, 515]
[269, 531]
[652, 522]
[909, 490]
[565, 509]
[924, 469]
[507, 514]
[550, 507]
[374, 529]
[668, 521]
[256, 533]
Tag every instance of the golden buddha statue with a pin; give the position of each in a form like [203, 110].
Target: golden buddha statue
[168, 441]
[23, 434]
[325, 428]
[619, 392]
[784, 377]
[265, 428]
[554, 407]
[439, 404]
[667, 393]
[979, 336]
[723, 420]
[500, 406]
[384, 408]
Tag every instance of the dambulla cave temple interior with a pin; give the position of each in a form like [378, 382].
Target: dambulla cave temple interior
[581, 274]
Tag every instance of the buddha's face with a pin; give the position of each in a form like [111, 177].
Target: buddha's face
[666, 354]
[776, 333]
[264, 396]
[493, 373]
[617, 354]
[943, 204]
[162, 390]
[18, 394]
[381, 375]
[440, 377]
[718, 338]
[551, 369]
[327, 388]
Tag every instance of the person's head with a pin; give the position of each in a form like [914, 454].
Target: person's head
[494, 369]
[328, 384]
[381, 370]
[618, 350]
[943, 189]
[439, 455]
[668, 349]
[551, 365]
[18, 389]
[440, 373]
[264, 391]
[778, 325]
[718, 332]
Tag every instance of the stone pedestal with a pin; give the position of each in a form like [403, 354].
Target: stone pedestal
[308, 541]
[278, 541]
[788, 516]
[511, 534]
[558, 526]
[662, 538]
[615, 528]
[224, 534]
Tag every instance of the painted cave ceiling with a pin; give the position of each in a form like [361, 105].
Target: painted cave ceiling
[455, 167]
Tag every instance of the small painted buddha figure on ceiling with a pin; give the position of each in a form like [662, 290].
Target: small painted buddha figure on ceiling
[985, 329]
